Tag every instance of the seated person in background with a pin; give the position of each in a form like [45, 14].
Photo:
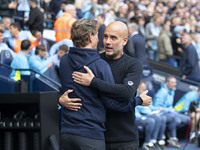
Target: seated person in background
[61, 51]
[164, 98]
[56, 46]
[37, 39]
[38, 61]
[17, 37]
[155, 123]
[183, 106]
[7, 22]
[3, 46]
[21, 59]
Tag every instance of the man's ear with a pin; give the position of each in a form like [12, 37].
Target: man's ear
[90, 38]
[125, 40]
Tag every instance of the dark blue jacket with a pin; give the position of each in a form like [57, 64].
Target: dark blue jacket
[140, 50]
[189, 65]
[89, 121]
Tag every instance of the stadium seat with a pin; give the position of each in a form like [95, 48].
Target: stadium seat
[6, 57]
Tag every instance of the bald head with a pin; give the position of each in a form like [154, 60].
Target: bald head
[115, 38]
[120, 27]
[70, 8]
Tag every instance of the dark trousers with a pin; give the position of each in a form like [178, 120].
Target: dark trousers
[74, 142]
[123, 146]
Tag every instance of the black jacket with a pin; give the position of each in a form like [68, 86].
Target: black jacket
[36, 20]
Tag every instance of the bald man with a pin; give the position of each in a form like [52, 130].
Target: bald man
[121, 129]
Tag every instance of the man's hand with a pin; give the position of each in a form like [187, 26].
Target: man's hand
[184, 76]
[70, 103]
[83, 78]
[145, 98]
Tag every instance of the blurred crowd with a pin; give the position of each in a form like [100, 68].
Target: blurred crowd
[161, 30]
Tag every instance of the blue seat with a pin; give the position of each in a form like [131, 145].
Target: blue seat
[6, 57]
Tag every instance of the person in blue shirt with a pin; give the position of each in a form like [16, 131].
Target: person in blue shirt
[154, 134]
[54, 48]
[164, 98]
[183, 106]
[7, 22]
[4, 46]
[38, 61]
[21, 59]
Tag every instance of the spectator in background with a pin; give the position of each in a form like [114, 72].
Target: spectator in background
[153, 30]
[164, 45]
[189, 65]
[122, 14]
[63, 49]
[17, 36]
[54, 6]
[38, 61]
[138, 43]
[141, 23]
[183, 106]
[7, 22]
[3, 46]
[164, 99]
[175, 21]
[196, 43]
[37, 39]
[91, 9]
[7, 8]
[54, 48]
[198, 29]
[21, 59]
[2, 27]
[100, 20]
[36, 17]
[79, 4]
[23, 10]
[63, 25]
[62, 9]
[176, 41]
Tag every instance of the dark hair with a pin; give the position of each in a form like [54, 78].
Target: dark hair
[81, 30]
[33, 32]
[64, 48]
[35, 1]
[15, 25]
[1, 22]
[102, 16]
[39, 48]
[1, 31]
[25, 45]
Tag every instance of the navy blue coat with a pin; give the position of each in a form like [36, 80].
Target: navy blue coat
[189, 64]
[140, 50]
